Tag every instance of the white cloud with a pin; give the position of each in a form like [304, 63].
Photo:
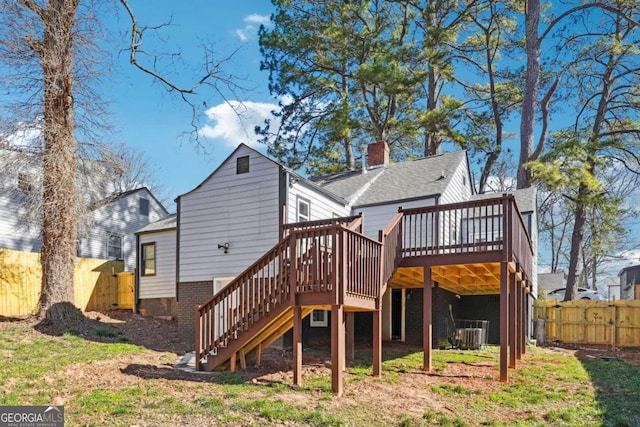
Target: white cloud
[250, 28]
[234, 122]
[254, 18]
[244, 33]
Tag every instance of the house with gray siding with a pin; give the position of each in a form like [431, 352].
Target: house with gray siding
[108, 220]
[630, 282]
[238, 213]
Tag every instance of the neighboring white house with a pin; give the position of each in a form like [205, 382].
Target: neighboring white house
[109, 227]
[236, 214]
[105, 229]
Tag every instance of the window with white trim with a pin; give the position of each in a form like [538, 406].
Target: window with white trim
[319, 319]
[114, 246]
[304, 210]
[148, 259]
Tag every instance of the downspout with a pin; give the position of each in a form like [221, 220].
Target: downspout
[177, 247]
[136, 294]
[282, 202]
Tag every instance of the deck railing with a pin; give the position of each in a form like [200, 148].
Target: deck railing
[329, 259]
[466, 227]
[521, 246]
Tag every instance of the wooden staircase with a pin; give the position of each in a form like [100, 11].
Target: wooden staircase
[317, 264]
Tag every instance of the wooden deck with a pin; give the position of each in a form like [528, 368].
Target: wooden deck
[472, 248]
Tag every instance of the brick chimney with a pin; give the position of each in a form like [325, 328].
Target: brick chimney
[378, 154]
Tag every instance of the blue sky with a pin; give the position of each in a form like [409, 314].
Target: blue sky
[153, 122]
[148, 119]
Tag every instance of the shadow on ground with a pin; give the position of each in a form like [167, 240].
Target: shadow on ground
[159, 334]
[617, 383]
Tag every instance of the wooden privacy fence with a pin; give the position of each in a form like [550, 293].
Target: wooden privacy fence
[99, 284]
[613, 323]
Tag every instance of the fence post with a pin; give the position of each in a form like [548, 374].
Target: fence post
[614, 320]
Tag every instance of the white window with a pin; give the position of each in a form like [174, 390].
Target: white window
[319, 319]
[114, 246]
[304, 209]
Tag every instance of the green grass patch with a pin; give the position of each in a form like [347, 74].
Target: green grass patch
[549, 388]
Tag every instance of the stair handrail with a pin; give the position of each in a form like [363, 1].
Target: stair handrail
[319, 223]
[237, 300]
[351, 267]
[391, 239]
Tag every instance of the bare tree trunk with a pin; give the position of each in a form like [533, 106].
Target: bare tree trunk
[59, 163]
[577, 237]
[432, 140]
[532, 81]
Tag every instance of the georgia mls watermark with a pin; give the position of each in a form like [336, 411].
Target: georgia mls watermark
[31, 416]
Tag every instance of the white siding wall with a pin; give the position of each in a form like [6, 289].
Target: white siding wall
[321, 207]
[120, 217]
[163, 284]
[459, 188]
[534, 243]
[241, 209]
[14, 234]
[377, 217]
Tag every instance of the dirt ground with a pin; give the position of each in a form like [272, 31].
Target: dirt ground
[410, 396]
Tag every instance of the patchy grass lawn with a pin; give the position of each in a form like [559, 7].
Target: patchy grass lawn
[123, 384]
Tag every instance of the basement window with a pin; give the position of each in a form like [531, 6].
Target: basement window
[319, 319]
[242, 165]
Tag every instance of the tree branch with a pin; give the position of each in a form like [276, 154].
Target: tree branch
[544, 106]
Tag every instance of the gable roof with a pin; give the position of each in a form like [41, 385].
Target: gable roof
[299, 178]
[121, 195]
[229, 157]
[410, 180]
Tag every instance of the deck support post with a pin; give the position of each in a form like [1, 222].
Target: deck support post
[337, 348]
[520, 322]
[377, 342]
[525, 322]
[504, 319]
[513, 320]
[350, 337]
[297, 345]
[427, 327]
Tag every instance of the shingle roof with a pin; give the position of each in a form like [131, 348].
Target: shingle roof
[398, 181]
[525, 198]
[169, 222]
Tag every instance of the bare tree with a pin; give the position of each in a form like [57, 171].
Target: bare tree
[44, 47]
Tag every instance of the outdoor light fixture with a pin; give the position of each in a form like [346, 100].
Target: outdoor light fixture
[224, 246]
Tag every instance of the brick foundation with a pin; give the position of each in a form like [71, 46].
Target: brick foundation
[190, 295]
[414, 315]
[158, 307]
